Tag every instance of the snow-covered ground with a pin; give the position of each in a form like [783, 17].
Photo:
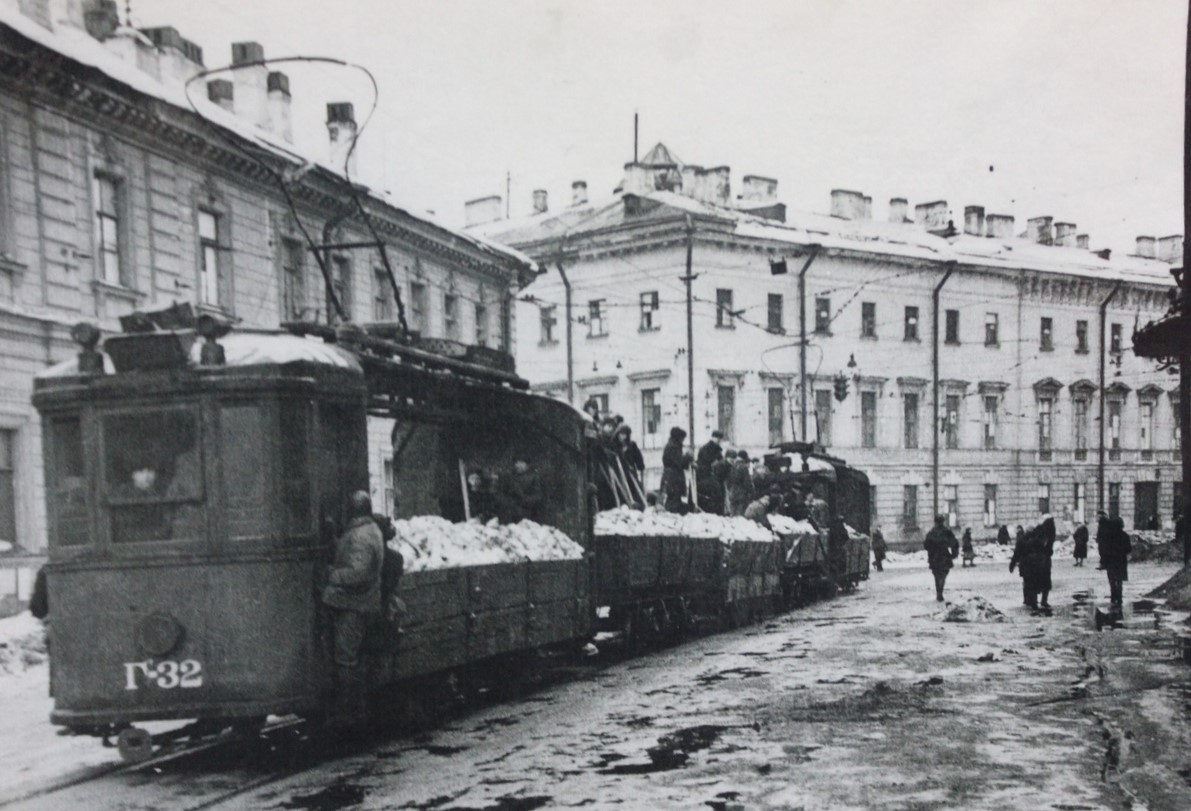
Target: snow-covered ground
[869, 700]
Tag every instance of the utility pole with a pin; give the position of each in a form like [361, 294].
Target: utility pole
[1100, 459]
[1185, 312]
[688, 279]
[802, 341]
[934, 397]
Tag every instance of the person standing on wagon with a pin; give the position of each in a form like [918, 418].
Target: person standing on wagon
[353, 594]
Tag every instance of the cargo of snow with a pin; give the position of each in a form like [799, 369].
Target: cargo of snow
[22, 643]
[785, 525]
[974, 609]
[626, 522]
[432, 542]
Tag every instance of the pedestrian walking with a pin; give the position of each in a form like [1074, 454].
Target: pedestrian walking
[968, 550]
[941, 549]
[1003, 535]
[879, 549]
[1080, 536]
[1045, 552]
[1114, 546]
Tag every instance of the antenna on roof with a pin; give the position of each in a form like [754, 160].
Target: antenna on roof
[508, 193]
[634, 136]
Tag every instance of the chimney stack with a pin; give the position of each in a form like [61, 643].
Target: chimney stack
[999, 226]
[719, 186]
[341, 131]
[1170, 249]
[180, 58]
[756, 189]
[251, 78]
[540, 205]
[1081, 241]
[279, 118]
[898, 206]
[932, 216]
[847, 205]
[482, 210]
[101, 18]
[68, 13]
[579, 192]
[222, 92]
[1065, 234]
[690, 179]
[1146, 246]
[1038, 230]
[974, 221]
[638, 179]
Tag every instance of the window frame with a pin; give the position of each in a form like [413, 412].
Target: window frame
[822, 315]
[650, 307]
[725, 318]
[480, 323]
[990, 420]
[547, 321]
[990, 505]
[597, 318]
[868, 319]
[911, 423]
[869, 418]
[118, 216]
[775, 313]
[1081, 337]
[382, 299]
[992, 330]
[951, 327]
[909, 517]
[951, 420]
[912, 322]
[452, 329]
[651, 407]
[210, 248]
[1046, 334]
[777, 420]
[823, 418]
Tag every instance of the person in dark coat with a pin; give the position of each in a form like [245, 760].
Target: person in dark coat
[1115, 547]
[710, 492]
[879, 549]
[1080, 536]
[525, 493]
[720, 471]
[941, 549]
[480, 499]
[967, 548]
[759, 509]
[738, 490]
[837, 546]
[39, 601]
[1003, 535]
[673, 475]
[353, 595]
[1022, 560]
[630, 458]
[1046, 550]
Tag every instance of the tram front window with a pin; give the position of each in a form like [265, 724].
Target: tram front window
[153, 474]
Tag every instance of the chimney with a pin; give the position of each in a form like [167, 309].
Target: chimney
[222, 92]
[719, 186]
[690, 179]
[638, 179]
[579, 192]
[180, 58]
[1170, 249]
[757, 189]
[847, 205]
[482, 210]
[341, 130]
[868, 208]
[1038, 230]
[974, 221]
[39, 12]
[999, 226]
[252, 94]
[280, 122]
[1065, 234]
[1081, 241]
[932, 216]
[100, 17]
[898, 206]
[68, 13]
[1146, 246]
[539, 201]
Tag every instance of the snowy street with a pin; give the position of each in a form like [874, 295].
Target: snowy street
[839, 705]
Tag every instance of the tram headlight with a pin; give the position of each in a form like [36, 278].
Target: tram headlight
[159, 634]
[86, 335]
[212, 329]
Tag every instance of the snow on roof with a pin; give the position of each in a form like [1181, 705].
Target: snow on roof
[81, 47]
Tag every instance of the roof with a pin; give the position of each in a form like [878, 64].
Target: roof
[904, 240]
[77, 45]
[660, 155]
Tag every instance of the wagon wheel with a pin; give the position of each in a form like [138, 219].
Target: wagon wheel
[135, 744]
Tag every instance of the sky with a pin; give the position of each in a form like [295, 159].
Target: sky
[1072, 109]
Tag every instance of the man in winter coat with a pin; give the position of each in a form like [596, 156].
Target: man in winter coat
[1003, 535]
[1114, 545]
[353, 595]
[1080, 536]
[759, 509]
[879, 549]
[710, 492]
[673, 475]
[1046, 541]
[738, 490]
[631, 459]
[968, 550]
[525, 492]
[941, 549]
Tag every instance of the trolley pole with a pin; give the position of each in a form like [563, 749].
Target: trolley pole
[1100, 457]
[688, 279]
[566, 283]
[1185, 313]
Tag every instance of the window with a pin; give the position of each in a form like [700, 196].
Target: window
[951, 504]
[209, 257]
[951, 421]
[1114, 429]
[295, 467]
[66, 483]
[868, 419]
[723, 308]
[1080, 497]
[777, 422]
[547, 320]
[389, 508]
[911, 324]
[649, 311]
[382, 297]
[1046, 407]
[341, 283]
[601, 401]
[990, 422]
[450, 315]
[651, 416]
[1046, 335]
[776, 319]
[1114, 345]
[1081, 337]
[480, 312]
[293, 280]
[107, 192]
[910, 506]
[990, 505]
[1043, 498]
[1114, 499]
[417, 308]
[1081, 407]
[822, 316]
[823, 415]
[726, 400]
[952, 327]
[8, 490]
[868, 319]
[910, 419]
[991, 338]
[245, 479]
[1146, 429]
[596, 326]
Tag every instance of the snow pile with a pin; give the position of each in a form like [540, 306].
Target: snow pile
[1179, 581]
[790, 526]
[974, 609]
[22, 643]
[626, 522]
[433, 542]
[1154, 545]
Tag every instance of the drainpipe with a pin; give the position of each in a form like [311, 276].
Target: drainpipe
[1100, 463]
[689, 279]
[934, 382]
[566, 283]
[802, 339]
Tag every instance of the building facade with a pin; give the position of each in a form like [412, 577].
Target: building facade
[961, 365]
[116, 195]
